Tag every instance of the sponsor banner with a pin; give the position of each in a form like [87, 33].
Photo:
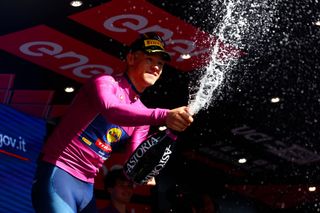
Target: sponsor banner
[21, 139]
[134, 17]
[58, 52]
[20, 134]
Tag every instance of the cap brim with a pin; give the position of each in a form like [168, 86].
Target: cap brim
[164, 54]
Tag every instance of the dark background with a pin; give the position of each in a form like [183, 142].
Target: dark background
[283, 63]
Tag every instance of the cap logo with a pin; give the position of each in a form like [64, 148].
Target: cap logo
[152, 42]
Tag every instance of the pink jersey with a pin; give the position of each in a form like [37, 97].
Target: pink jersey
[106, 112]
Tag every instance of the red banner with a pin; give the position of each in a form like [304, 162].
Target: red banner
[123, 23]
[58, 52]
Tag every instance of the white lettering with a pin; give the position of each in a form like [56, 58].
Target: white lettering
[40, 48]
[139, 24]
[167, 34]
[7, 141]
[139, 153]
[53, 48]
[81, 59]
[190, 46]
[163, 161]
[79, 71]
[109, 24]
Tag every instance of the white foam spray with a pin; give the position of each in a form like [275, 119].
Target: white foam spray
[242, 21]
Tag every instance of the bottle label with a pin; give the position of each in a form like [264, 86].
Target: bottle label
[139, 152]
[150, 157]
[163, 161]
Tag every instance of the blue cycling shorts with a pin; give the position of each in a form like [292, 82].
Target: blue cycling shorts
[56, 191]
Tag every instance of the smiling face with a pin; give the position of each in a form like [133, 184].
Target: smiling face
[144, 69]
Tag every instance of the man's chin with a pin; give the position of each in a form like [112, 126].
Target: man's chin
[150, 82]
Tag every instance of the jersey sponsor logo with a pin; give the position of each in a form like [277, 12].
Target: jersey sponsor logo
[86, 141]
[151, 42]
[102, 137]
[114, 135]
[103, 146]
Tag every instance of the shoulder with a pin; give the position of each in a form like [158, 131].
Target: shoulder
[103, 79]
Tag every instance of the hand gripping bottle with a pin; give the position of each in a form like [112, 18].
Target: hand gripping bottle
[150, 157]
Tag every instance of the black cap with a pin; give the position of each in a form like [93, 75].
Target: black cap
[150, 42]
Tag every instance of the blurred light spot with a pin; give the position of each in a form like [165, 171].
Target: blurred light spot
[317, 23]
[312, 189]
[275, 100]
[185, 56]
[76, 3]
[242, 160]
[69, 89]
[161, 128]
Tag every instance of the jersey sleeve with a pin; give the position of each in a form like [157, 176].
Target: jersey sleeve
[103, 93]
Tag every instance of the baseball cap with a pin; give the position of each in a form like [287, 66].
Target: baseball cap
[150, 42]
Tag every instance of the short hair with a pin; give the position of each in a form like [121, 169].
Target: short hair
[112, 176]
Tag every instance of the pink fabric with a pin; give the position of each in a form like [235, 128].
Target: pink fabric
[114, 99]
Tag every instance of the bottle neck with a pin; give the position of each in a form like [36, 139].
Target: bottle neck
[171, 134]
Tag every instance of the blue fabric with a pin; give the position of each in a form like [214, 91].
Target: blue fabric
[50, 194]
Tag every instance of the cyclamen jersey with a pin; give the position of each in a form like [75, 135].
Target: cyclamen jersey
[106, 112]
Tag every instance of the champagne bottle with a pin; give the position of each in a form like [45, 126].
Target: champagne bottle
[150, 157]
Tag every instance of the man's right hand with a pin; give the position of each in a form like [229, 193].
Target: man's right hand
[179, 119]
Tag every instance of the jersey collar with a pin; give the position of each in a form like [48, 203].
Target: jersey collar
[131, 84]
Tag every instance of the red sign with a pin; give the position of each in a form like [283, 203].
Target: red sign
[123, 20]
[55, 51]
